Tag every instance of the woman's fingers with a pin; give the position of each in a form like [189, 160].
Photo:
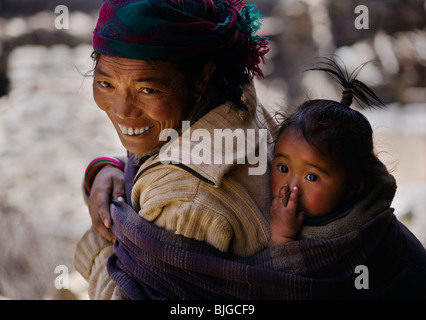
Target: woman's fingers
[108, 184]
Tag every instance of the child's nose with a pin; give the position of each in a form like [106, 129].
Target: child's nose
[294, 181]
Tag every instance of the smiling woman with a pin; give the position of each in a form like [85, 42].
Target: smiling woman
[159, 64]
[138, 96]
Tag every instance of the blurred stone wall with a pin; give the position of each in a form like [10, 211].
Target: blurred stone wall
[50, 127]
[27, 22]
[395, 43]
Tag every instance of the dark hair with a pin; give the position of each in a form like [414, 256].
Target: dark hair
[339, 132]
[226, 82]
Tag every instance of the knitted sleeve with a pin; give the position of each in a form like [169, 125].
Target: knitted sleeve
[90, 257]
[84, 188]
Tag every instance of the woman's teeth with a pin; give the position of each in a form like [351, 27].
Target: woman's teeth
[132, 131]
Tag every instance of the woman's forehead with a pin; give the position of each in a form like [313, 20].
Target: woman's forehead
[137, 70]
[126, 64]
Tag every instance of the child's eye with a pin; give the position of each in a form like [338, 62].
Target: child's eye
[312, 177]
[282, 168]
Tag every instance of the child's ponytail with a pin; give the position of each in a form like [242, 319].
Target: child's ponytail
[347, 98]
[352, 88]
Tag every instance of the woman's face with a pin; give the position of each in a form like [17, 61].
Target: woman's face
[141, 98]
[321, 182]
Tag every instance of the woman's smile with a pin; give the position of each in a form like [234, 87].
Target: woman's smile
[132, 131]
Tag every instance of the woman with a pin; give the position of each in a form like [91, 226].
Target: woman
[162, 66]
[195, 223]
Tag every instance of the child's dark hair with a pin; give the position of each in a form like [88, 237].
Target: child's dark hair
[338, 131]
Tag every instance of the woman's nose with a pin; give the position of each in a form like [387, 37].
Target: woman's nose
[125, 106]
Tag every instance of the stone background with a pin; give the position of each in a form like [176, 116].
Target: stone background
[50, 127]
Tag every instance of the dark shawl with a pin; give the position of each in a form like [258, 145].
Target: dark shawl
[153, 263]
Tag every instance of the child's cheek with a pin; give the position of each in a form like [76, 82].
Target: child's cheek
[316, 204]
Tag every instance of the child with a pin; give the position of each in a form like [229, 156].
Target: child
[324, 160]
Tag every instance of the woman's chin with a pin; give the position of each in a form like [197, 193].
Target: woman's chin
[138, 144]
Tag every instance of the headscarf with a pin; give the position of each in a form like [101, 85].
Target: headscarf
[181, 29]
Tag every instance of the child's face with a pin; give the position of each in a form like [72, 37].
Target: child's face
[320, 181]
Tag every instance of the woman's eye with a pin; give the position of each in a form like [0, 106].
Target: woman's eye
[148, 90]
[104, 84]
[282, 168]
[312, 177]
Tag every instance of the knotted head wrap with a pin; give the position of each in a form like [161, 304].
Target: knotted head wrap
[181, 29]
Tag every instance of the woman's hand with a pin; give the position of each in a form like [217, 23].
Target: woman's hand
[285, 220]
[108, 184]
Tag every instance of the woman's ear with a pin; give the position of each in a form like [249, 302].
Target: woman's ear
[203, 79]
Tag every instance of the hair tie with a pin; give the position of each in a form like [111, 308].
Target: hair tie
[347, 98]
[352, 87]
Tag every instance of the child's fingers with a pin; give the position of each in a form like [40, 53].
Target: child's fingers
[283, 194]
[283, 191]
[280, 200]
[292, 200]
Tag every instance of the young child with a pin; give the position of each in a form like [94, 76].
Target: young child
[324, 159]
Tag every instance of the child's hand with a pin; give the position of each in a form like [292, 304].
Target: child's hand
[285, 221]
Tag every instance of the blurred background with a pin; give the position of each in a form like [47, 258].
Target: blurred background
[50, 127]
